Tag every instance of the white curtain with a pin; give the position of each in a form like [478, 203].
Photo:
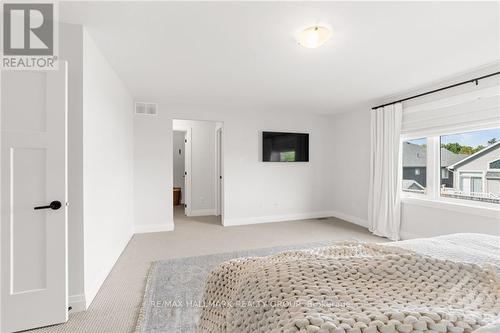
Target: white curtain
[384, 211]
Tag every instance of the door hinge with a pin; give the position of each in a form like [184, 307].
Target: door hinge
[185, 206]
[185, 141]
[185, 173]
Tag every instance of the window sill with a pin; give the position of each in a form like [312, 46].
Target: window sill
[481, 209]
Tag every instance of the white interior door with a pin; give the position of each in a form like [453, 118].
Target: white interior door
[220, 178]
[187, 172]
[33, 173]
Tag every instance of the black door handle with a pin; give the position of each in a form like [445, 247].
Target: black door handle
[55, 205]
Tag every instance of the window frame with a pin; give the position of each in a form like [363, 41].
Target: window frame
[432, 195]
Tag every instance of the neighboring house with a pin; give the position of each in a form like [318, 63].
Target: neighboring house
[479, 172]
[412, 185]
[415, 166]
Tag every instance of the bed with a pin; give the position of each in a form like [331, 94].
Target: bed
[443, 284]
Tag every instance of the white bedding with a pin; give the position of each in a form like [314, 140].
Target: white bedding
[478, 249]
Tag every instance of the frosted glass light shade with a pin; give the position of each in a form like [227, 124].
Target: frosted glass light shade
[313, 37]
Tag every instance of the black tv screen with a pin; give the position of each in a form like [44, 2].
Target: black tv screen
[285, 147]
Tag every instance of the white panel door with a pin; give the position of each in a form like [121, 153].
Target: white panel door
[220, 172]
[33, 174]
[187, 172]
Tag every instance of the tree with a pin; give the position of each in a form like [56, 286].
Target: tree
[457, 148]
[492, 141]
[467, 150]
[453, 147]
[478, 148]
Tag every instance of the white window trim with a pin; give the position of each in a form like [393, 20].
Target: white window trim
[432, 195]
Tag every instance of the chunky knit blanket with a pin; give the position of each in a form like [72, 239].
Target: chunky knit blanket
[350, 288]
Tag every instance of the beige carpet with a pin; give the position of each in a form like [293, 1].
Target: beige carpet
[115, 308]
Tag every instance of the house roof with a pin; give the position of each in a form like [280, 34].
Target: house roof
[472, 157]
[416, 156]
[411, 184]
[448, 157]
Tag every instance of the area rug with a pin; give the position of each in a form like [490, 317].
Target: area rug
[174, 288]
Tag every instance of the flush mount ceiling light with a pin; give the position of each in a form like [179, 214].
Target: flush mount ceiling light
[313, 37]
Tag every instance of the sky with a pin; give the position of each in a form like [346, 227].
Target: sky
[472, 139]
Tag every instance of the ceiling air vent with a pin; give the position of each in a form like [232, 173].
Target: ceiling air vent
[146, 108]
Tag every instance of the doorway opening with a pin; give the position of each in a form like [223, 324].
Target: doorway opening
[179, 167]
[198, 168]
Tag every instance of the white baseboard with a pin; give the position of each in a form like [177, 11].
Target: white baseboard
[350, 218]
[77, 303]
[203, 212]
[408, 235]
[364, 223]
[142, 229]
[91, 292]
[274, 218]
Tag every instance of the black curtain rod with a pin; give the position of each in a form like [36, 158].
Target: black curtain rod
[475, 80]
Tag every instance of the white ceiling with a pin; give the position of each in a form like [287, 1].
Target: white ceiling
[243, 54]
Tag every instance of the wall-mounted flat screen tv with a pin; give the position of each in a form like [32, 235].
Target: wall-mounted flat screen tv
[285, 147]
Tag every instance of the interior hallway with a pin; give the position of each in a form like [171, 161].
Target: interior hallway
[115, 308]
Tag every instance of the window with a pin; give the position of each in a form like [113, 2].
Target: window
[467, 157]
[414, 165]
[468, 167]
[461, 132]
[495, 164]
[471, 182]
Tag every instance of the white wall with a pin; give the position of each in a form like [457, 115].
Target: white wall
[153, 173]
[349, 153]
[107, 167]
[254, 191]
[100, 80]
[422, 220]
[178, 156]
[71, 50]
[202, 165]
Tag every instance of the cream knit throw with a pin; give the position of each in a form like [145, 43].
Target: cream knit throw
[349, 288]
